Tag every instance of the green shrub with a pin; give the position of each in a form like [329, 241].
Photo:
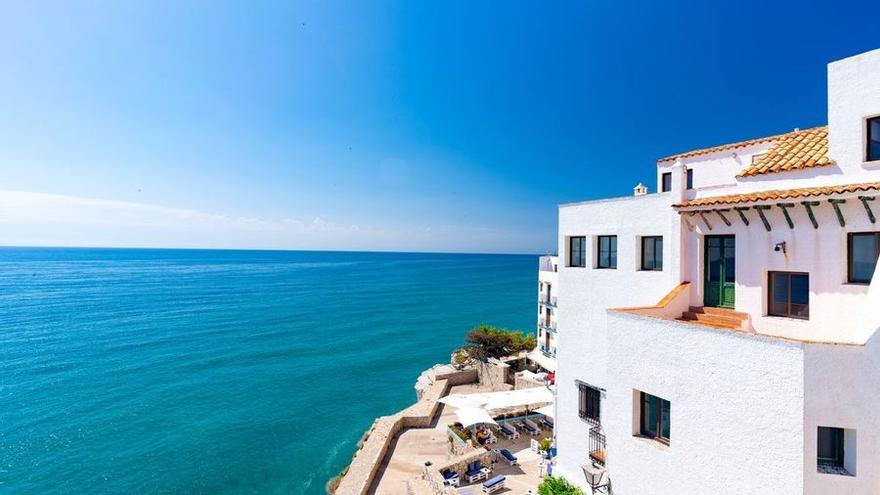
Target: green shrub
[484, 342]
[558, 486]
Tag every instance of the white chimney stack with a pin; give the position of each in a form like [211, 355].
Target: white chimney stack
[640, 190]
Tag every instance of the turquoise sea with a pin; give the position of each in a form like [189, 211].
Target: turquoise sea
[223, 372]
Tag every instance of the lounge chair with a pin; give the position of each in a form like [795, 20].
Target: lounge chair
[495, 484]
[531, 428]
[509, 432]
[508, 456]
[476, 472]
[450, 477]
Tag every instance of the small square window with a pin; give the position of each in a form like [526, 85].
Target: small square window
[830, 446]
[789, 295]
[666, 182]
[607, 252]
[577, 254]
[873, 151]
[655, 418]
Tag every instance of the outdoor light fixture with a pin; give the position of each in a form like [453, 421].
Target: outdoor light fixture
[780, 246]
[594, 474]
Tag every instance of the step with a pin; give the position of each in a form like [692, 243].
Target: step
[709, 310]
[712, 318]
[727, 326]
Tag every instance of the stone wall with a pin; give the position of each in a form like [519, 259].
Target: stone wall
[359, 476]
[495, 374]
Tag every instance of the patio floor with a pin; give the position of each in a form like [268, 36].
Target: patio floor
[526, 475]
[411, 448]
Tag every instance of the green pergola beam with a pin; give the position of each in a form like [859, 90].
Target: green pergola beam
[836, 204]
[809, 206]
[864, 200]
[784, 207]
[706, 221]
[742, 216]
[760, 209]
[723, 218]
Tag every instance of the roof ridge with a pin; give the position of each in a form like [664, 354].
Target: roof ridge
[737, 144]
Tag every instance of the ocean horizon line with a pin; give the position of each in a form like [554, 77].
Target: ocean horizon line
[271, 250]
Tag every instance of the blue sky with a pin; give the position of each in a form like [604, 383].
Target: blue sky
[429, 126]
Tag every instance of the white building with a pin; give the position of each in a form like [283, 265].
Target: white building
[720, 336]
[548, 287]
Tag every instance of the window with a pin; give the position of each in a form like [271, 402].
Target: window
[655, 418]
[666, 184]
[577, 251]
[652, 253]
[607, 252]
[589, 399]
[690, 178]
[789, 295]
[873, 153]
[864, 249]
[830, 447]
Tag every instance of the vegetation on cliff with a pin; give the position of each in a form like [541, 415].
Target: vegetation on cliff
[484, 342]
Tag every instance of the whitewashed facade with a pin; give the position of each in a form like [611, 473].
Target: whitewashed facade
[752, 337]
[548, 297]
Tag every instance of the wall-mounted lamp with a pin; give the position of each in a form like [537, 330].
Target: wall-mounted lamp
[780, 246]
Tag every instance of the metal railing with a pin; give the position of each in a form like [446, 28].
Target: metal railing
[597, 445]
[543, 324]
[547, 301]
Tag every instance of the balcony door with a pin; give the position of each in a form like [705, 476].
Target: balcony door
[720, 271]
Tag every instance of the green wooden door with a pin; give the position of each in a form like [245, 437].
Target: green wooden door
[720, 271]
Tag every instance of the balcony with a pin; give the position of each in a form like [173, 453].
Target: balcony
[548, 351]
[550, 327]
[597, 445]
[548, 263]
[550, 302]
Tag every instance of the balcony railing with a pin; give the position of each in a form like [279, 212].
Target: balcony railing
[548, 263]
[597, 445]
[548, 351]
[549, 327]
[547, 301]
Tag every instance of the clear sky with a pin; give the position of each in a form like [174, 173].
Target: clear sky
[429, 126]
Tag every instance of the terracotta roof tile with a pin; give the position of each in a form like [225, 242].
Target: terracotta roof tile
[793, 151]
[780, 194]
[723, 147]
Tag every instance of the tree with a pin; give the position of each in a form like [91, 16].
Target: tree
[484, 342]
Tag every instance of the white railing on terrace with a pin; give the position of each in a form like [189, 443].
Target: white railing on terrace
[546, 264]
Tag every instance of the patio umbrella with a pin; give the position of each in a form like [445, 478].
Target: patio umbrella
[470, 416]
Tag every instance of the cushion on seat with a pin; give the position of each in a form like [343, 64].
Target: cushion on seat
[494, 481]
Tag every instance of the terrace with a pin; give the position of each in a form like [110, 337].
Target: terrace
[404, 466]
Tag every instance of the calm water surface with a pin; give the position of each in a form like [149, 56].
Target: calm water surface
[223, 372]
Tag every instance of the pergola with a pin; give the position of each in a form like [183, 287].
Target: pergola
[786, 199]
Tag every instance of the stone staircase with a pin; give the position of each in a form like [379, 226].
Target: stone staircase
[716, 317]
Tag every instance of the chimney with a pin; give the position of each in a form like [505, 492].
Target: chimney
[640, 190]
